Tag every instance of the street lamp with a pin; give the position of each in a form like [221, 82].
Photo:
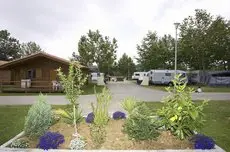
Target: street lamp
[176, 27]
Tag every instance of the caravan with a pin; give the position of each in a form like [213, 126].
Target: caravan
[164, 76]
[138, 75]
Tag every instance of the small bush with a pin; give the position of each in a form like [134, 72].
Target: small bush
[180, 114]
[140, 127]
[77, 144]
[98, 134]
[68, 117]
[119, 115]
[39, 118]
[203, 142]
[50, 140]
[129, 104]
[19, 143]
[90, 118]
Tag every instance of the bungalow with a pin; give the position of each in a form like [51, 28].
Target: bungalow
[36, 72]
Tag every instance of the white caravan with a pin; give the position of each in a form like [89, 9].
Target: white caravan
[138, 75]
[164, 76]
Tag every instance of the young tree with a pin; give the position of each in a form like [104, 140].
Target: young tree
[93, 47]
[9, 46]
[72, 84]
[30, 48]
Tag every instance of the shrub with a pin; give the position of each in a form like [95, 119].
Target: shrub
[101, 117]
[100, 111]
[19, 143]
[77, 144]
[50, 140]
[90, 118]
[141, 126]
[179, 114]
[98, 134]
[38, 119]
[129, 104]
[68, 116]
[203, 142]
[118, 115]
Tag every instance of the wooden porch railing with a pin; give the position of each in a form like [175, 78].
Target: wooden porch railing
[35, 86]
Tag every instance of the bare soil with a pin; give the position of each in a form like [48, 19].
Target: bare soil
[117, 140]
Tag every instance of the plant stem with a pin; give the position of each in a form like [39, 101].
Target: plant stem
[74, 120]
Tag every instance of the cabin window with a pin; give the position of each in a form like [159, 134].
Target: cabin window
[137, 74]
[168, 74]
[31, 74]
[151, 72]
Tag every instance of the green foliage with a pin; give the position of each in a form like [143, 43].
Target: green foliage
[129, 104]
[98, 134]
[54, 118]
[93, 47]
[140, 125]
[100, 111]
[68, 116]
[19, 143]
[156, 52]
[126, 66]
[39, 118]
[179, 114]
[30, 48]
[72, 84]
[9, 46]
[101, 117]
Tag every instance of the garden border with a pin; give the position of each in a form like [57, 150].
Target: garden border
[3, 148]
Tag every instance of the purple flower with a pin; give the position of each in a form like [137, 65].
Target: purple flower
[119, 115]
[203, 142]
[50, 140]
[89, 118]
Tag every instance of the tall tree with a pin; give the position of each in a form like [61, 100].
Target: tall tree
[126, 66]
[195, 40]
[219, 43]
[30, 48]
[156, 52]
[9, 46]
[93, 47]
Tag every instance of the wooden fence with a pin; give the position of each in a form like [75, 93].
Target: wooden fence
[33, 86]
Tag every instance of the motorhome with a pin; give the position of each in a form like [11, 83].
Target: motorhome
[138, 75]
[164, 76]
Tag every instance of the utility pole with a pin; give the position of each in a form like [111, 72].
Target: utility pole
[175, 69]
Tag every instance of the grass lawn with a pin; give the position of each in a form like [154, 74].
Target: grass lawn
[88, 89]
[217, 124]
[204, 88]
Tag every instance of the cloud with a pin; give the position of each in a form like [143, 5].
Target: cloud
[57, 25]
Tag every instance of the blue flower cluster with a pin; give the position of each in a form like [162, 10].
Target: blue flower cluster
[50, 140]
[119, 115]
[89, 118]
[203, 142]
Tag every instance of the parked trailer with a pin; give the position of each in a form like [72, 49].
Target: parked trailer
[164, 76]
[138, 75]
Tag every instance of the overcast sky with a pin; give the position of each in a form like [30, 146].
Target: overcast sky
[56, 25]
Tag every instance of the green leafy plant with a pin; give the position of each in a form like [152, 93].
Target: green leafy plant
[140, 125]
[20, 143]
[101, 117]
[68, 116]
[54, 117]
[38, 119]
[180, 114]
[100, 111]
[72, 84]
[129, 104]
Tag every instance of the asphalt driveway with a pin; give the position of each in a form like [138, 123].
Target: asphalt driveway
[119, 91]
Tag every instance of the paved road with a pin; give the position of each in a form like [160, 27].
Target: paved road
[119, 91]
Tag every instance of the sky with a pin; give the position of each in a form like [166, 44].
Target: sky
[57, 25]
